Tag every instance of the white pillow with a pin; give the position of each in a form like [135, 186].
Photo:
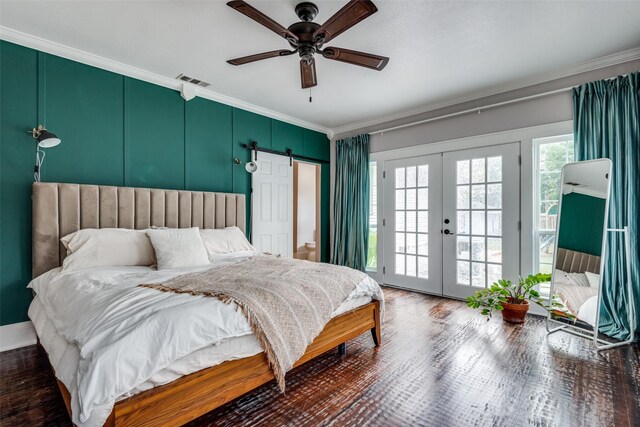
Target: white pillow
[225, 241]
[178, 247]
[594, 279]
[93, 247]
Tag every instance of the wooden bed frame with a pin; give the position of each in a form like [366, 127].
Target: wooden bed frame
[60, 209]
[191, 396]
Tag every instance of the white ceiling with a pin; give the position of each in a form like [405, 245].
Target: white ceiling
[439, 50]
[591, 177]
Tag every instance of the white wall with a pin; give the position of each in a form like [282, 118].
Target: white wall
[532, 112]
[306, 205]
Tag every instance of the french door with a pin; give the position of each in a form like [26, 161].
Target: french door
[451, 220]
[412, 212]
[481, 211]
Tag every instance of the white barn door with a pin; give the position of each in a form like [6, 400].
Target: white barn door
[272, 204]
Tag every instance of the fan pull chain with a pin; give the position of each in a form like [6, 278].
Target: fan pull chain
[310, 98]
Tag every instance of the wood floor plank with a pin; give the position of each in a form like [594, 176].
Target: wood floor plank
[440, 364]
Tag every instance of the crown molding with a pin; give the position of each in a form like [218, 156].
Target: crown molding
[53, 48]
[582, 67]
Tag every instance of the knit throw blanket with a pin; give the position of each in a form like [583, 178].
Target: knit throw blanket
[287, 302]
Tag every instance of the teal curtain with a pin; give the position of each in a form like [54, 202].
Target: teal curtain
[607, 124]
[351, 203]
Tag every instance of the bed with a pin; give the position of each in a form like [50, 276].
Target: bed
[576, 284]
[187, 388]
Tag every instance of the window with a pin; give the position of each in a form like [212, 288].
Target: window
[550, 155]
[372, 249]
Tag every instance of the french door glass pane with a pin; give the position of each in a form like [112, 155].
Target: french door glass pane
[411, 221]
[463, 197]
[478, 274]
[494, 169]
[400, 245]
[494, 223]
[423, 175]
[494, 249]
[411, 243]
[463, 223]
[423, 222]
[478, 249]
[411, 199]
[494, 196]
[477, 170]
[477, 223]
[400, 178]
[423, 198]
[423, 267]
[411, 176]
[463, 247]
[400, 221]
[494, 273]
[400, 264]
[477, 196]
[411, 265]
[463, 272]
[462, 172]
[399, 199]
[423, 244]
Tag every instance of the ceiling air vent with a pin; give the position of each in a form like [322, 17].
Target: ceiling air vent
[196, 82]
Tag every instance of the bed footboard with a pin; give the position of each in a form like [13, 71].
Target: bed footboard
[193, 395]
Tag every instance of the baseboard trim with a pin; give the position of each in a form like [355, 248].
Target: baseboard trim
[17, 335]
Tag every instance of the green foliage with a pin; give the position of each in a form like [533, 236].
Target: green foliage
[372, 250]
[492, 298]
[552, 157]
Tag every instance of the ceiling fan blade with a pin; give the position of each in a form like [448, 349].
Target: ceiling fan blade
[352, 13]
[369, 60]
[260, 56]
[308, 73]
[253, 13]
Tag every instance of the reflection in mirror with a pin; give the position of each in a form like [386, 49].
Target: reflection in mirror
[582, 223]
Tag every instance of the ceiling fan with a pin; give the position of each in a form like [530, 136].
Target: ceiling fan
[307, 38]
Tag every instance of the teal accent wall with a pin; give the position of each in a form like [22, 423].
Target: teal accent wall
[581, 223]
[116, 130]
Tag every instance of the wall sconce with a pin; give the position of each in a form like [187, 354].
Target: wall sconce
[44, 139]
[250, 167]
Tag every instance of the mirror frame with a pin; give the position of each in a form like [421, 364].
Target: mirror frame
[573, 329]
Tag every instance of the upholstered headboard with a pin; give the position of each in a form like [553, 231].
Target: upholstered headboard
[60, 209]
[577, 262]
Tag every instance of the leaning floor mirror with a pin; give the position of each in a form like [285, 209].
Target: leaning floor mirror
[580, 251]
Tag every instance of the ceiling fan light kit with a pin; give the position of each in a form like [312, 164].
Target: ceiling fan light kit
[308, 38]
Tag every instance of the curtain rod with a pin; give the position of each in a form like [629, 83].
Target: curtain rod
[486, 107]
[472, 110]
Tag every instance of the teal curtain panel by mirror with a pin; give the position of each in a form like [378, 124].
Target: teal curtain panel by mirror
[117, 130]
[351, 203]
[606, 123]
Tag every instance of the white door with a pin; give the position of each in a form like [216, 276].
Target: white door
[272, 204]
[412, 211]
[481, 213]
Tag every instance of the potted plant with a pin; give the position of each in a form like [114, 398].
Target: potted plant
[511, 299]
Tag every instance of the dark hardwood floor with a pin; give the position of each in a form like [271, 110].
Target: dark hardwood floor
[440, 364]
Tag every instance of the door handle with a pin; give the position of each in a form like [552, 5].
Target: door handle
[446, 231]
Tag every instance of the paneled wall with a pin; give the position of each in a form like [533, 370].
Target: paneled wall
[578, 231]
[116, 130]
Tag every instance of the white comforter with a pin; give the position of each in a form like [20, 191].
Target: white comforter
[126, 333]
